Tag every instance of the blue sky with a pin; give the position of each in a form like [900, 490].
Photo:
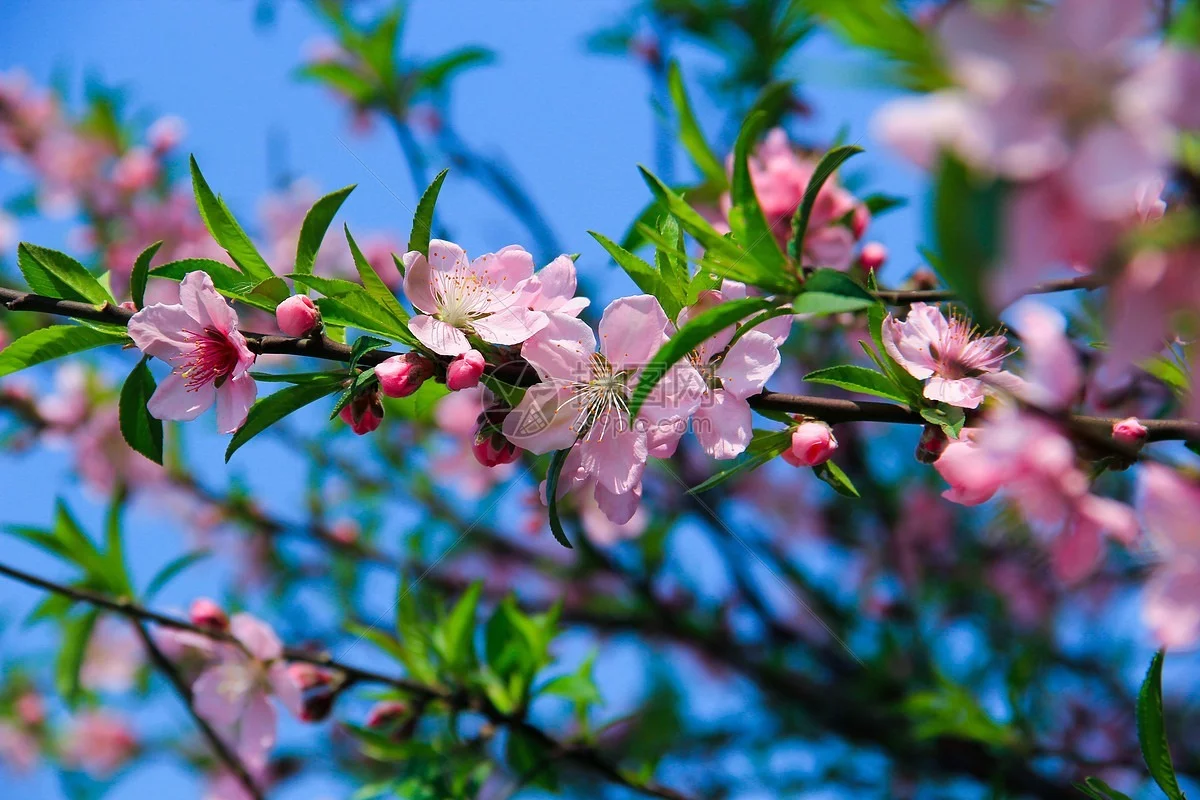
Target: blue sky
[571, 124]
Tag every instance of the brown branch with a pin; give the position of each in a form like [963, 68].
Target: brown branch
[577, 753]
[519, 373]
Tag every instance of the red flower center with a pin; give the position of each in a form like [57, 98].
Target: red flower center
[212, 359]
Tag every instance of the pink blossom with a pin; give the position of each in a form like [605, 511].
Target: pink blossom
[1169, 504]
[233, 694]
[494, 451]
[813, 443]
[297, 315]
[475, 460]
[99, 743]
[723, 423]
[552, 289]
[70, 404]
[458, 298]
[400, 376]
[947, 352]
[582, 401]
[1036, 465]
[102, 455]
[207, 614]
[209, 358]
[137, 169]
[19, 749]
[112, 659]
[1052, 377]
[873, 256]
[165, 133]
[465, 371]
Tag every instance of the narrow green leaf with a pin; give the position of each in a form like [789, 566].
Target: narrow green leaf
[828, 291]
[296, 377]
[56, 341]
[363, 345]
[269, 410]
[646, 277]
[456, 632]
[966, 215]
[56, 274]
[373, 284]
[552, 475]
[77, 632]
[833, 475]
[316, 223]
[880, 204]
[858, 379]
[1152, 731]
[672, 264]
[228, 281]
[142, 431]
[423, 220]
[690, 135]
[354, 306]
[226, 230]
[765, 446]
[115, 576]
[172, 569]
[828, 165]
[433, 75]
[141, 273]
[687, 338]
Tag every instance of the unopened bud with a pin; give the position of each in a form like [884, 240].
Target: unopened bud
[317, 690]
[1130, 431]
[813, 444]
[205, 613]
[932, 445]
[298, 315]
[872, 256]
[385, 713]
[400, 376]
[364, 413]
[494, 450]
[465, 371]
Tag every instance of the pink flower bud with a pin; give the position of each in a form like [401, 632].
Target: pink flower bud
[1130, 431]
[400, 376]
[859, 220]
[812, 444]
[308, 676]
[386, 712]
[872, 256]
[344, 531]
[297, 316]
[135, 170]
[317, 691]
[464, 372]
[492, 451]
[129, 305]
[364, 413]
[165, 134]
[30, 709]
[207, 614]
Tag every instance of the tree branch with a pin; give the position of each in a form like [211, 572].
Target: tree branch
[579, 754]
[519, 373]
[904, 297]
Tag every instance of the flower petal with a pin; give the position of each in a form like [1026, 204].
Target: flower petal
[631, 330]
[749, 364]
[724, 425]
[256, 636]
[438, 336]
[199, 298]
[173, 399]
[418, 282]
[510, 325]
[212, 696]
[562, 350]
[544, 420]
[258, 730]
[161, 331]
[234, 399]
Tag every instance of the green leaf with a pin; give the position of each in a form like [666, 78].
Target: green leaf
[56, 274]
[297, 377]
[690, 336]
[226, 230]
[316, 223]
[1152, 731]
[949, 418]
[374, 285]
[646, 277]
[764, 446]
[828, 165]
[228, 281]
[858, 379]
[77, 632]
[269, 410]
[966, 216]
[340, 77]
[362, 346]
[750, 226]
[1185, 27]
[690, 135]
[142, 431]
[56, 341]
[168, 572]
[672, 264]
[552, 475]
[422, 226]
[141, 273]
[115, 573]
[1099, 790]
[832, 474]
[828, 291]
[433, 75]
[411, 631]
[880, 204]
[455, 633]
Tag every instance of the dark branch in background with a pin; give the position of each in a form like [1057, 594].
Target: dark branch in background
[164, 665]
[577, 753]
[1097, 430]
[902, 297]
